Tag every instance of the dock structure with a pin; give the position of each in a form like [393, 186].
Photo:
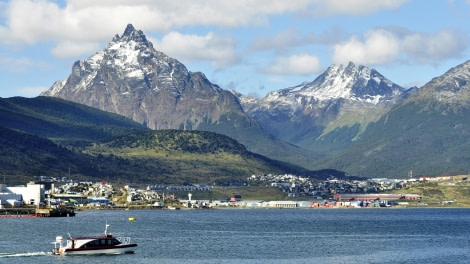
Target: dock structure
[36, 212]
[18, 212]
[43, 212]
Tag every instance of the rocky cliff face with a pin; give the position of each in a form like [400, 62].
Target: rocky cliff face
[342, 97]
[131, 78]
[453, 87]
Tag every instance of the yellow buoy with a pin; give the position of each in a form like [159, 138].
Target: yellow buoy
[132, 219]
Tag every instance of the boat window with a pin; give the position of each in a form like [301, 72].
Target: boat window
[109, 242]
[102, 242]
[93, 243]
[116, 242]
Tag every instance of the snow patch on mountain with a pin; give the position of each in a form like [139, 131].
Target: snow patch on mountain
[354, 84]
[451, 87]
[131, 78]
[125, 58]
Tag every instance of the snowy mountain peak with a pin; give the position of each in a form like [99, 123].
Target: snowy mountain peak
[339, 90]
[129, 56]
[131, 78]
[130, 33]
[129, 30]
[350, 82]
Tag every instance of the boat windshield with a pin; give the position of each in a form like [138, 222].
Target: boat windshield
[70, 243]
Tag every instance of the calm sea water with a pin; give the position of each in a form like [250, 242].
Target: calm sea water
[253, 236]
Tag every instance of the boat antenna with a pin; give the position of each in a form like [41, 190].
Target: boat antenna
[69, 235]
[106, 229]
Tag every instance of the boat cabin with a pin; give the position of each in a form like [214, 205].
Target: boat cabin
[92, 242]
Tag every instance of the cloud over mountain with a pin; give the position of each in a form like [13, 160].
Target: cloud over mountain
[219, 50]
[385, 46]
[261, 43]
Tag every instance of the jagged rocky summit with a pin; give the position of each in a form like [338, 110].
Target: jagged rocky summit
[131, 78]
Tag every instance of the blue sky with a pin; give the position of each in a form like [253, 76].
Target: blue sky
[253, 47]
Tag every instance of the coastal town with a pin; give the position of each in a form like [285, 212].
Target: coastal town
[299, 192]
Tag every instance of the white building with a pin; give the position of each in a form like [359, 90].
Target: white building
[283, 204]
[31, 194]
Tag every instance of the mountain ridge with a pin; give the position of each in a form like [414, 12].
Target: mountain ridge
[428, 133]
[129, 77]
[452, 87]
[323, 120]
[339, 103]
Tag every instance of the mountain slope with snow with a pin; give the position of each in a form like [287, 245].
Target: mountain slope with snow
[129, 77]
[428, 134]
[452, 88]
[336, 106]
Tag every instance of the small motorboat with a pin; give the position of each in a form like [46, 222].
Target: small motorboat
[93, 245]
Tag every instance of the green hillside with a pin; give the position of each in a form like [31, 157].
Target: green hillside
[50, 136]
[258, 140]
[62, 120]
[71, 123]
[168, 156]
[344, 130]
[434, 193]
[23, 155]
[189, 156]
[422, 137]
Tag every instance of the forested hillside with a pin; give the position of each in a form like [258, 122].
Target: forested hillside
[422, 137]
[62, 120]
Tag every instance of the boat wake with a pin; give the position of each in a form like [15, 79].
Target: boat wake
[27, 254]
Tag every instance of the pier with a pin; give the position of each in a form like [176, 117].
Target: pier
[36, 212]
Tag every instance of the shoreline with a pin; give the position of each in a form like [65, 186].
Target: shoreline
[273, 208]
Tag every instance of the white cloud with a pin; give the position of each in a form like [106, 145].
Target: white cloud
[431, 48]
[90, 20]
[71, 49]
[220, 51]
[76, 26]
[379, 46]
[21, 64]
[355, 7]
[31, 21]
[383, 46]
[286, 38]
[303, 64]
[290, 38]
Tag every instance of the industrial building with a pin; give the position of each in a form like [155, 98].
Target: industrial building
[31, 194]
[375, 197]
